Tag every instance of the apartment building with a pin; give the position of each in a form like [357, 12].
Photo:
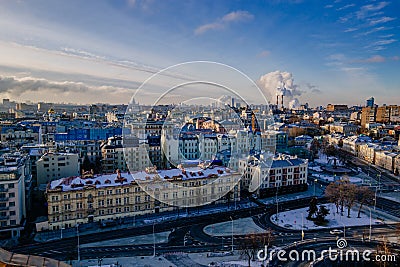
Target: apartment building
[289, 173]
[14, 173]
[90, 198]
[54, 165]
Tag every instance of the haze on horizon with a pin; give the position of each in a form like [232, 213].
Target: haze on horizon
[101, 51]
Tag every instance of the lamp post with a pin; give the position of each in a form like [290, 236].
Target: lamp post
[79, 253]
[277, 207]
[315, 181]
[232, 232]
[302, 226]
[154, 243]
[379, 181]
[370, 223]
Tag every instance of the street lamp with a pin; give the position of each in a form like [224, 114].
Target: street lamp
[79, 253]
[370, 223]
[232, 231]
[315, 181]
[154, 242]
[302, 226]
[379, 181]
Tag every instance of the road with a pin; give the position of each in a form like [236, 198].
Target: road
[188, 236]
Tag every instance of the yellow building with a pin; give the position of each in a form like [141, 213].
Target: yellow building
[88, 198]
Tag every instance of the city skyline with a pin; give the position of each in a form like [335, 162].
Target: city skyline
[89, 52]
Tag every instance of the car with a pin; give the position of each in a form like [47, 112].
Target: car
[336, 232]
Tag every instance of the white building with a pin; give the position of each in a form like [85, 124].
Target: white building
[286, 172]
[53, 165]
[14, 172]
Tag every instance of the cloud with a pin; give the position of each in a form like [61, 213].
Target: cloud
[373, 22]
[345, 7]
[225, 21]
[264, 53]
[15, 87]
[384, 42]
[396, 58]
[350, 30]
[374, 59]
[365, 11]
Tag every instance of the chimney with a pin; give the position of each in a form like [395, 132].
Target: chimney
[277, 101]
[282, 102]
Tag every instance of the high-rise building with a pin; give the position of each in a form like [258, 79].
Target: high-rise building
[368, 115]
[371, 102]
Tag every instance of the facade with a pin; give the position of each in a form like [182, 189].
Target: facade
[89, 198]
[332, 108]
[52, 166]
[368, 116]
[288, 173]
[14, 173]
[112, 153]
[385, 159]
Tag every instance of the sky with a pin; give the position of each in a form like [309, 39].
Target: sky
[91, 51]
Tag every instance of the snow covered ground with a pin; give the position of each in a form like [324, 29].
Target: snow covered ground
[135, 240]
[240, 227]
[331, 178]
[293, 219]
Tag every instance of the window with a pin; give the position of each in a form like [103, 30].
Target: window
[10, 185]
[13, 222]
[11, 204]
[10, 195]
[12, 213]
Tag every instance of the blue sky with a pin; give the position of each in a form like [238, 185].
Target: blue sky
[100, 51]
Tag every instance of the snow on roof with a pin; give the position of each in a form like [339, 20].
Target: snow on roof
[110, 180]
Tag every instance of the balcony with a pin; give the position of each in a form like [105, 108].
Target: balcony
[4, 208]
[3, 199]
[4, 217]
[2, 189]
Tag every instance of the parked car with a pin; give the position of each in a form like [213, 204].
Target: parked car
[336, 232]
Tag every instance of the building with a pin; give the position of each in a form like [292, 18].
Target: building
[288, 173]
[396, 166]
[368, 115]
[112, 153]
[332, 108]
[371, 102]
[388, 114]
[90, 198]
[385, 159]
[14, 173]
[53, 165]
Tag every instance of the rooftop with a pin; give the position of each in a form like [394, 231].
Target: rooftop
[116, 179]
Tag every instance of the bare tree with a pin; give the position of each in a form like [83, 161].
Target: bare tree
[364, 196]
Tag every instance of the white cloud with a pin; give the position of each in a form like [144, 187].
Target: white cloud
[373, 22]
[345, 7]
[226, 20]
[365, 11]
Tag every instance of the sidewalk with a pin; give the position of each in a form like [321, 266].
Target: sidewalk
[140, 220]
